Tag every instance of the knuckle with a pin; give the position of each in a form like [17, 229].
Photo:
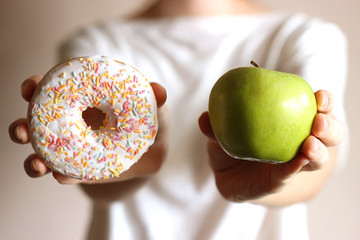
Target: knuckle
[334, 134]
[320, 160]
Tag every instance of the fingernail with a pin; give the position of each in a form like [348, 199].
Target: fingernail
[20, 134]
[326, 124]
[325, 100]
[316, 148]
[33, 166]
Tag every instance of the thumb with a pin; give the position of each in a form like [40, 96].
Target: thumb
[205, 126]
[160, 94]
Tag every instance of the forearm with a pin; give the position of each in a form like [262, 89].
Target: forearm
[302, 187]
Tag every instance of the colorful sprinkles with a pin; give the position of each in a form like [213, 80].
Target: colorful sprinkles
[60, 135]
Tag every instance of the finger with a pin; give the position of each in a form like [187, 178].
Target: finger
[28, 87]
[205, 126]
[160, 94]
[219, 160]
[18, 131]
[328, 129]
[35, 166]
[316, 152]
[62, 179]
[325, 101]
[293, 167]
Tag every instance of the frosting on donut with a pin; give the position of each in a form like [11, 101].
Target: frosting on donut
[60, 135]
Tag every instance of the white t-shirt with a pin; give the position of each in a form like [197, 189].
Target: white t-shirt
[187, 55]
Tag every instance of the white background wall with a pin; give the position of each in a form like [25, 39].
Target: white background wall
[42, 209]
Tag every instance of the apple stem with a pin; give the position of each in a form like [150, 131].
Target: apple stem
[254, 64]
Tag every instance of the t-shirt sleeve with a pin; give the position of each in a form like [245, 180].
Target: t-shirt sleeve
[317, 51]
[85, 42]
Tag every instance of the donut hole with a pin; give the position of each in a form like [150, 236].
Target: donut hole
[94, 118]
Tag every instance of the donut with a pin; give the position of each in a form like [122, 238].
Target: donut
[61, 135]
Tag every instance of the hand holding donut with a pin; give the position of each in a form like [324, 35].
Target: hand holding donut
[115, 136]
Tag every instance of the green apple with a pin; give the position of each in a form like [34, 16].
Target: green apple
[260, 114]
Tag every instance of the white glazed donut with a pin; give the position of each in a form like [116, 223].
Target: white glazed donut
[59, 134]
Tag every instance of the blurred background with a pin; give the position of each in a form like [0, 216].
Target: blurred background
[30, 32]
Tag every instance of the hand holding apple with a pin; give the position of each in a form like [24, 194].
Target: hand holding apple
[260, 114]
[247, 180]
